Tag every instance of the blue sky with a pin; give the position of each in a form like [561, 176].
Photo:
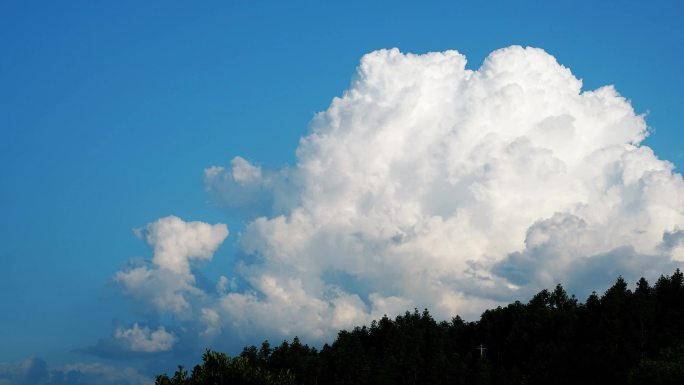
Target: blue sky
[110, 112]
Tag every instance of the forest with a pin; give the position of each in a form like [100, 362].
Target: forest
[620, 337]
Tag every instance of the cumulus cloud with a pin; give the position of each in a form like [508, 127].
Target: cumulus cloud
[249, 191]
[430, 184]
[166, 281]
[176, 242]
[241, 186]
[134, 341]
[565, 249]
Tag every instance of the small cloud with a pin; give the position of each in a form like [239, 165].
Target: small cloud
[176, 242]
[244, 172]
[166, 281]
[165, 290]
[134, 341]
[137, 339]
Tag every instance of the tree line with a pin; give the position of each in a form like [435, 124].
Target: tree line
[620, 337]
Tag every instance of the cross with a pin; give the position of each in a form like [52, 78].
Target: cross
[481, 349]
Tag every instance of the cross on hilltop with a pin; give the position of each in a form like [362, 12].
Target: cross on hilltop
[481, 348]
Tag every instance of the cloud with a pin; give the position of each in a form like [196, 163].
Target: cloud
[139, 339]
[176, 242]
[248, 191]
[34, 371]
[97, 374]
[673, 244]
[563, 249]
[428, 184]
[31, 371]
[126, 342]
[166, 281]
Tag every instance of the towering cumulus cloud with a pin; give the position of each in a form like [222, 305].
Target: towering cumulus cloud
[430, 185]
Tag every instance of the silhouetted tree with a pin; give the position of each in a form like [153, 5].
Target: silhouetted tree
[618, 338]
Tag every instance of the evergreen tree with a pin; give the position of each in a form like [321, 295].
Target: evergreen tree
[618, 338]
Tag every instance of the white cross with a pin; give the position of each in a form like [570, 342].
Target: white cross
[481, 349]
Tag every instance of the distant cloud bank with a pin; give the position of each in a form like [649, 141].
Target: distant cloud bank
[34, 371]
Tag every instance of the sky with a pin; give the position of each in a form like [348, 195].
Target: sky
[178, 176]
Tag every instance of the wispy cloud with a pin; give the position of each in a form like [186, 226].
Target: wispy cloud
[34, 371]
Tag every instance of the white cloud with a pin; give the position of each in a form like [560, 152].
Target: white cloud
[137, 339]
[212, 321]
[176, 242]
[249, 191]
[240, 186]
[165, 290]
[167, 282]
[430, 185]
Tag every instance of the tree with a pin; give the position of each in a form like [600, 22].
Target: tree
[617, 338]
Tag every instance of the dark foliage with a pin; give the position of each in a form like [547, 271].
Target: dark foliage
[621, 337]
